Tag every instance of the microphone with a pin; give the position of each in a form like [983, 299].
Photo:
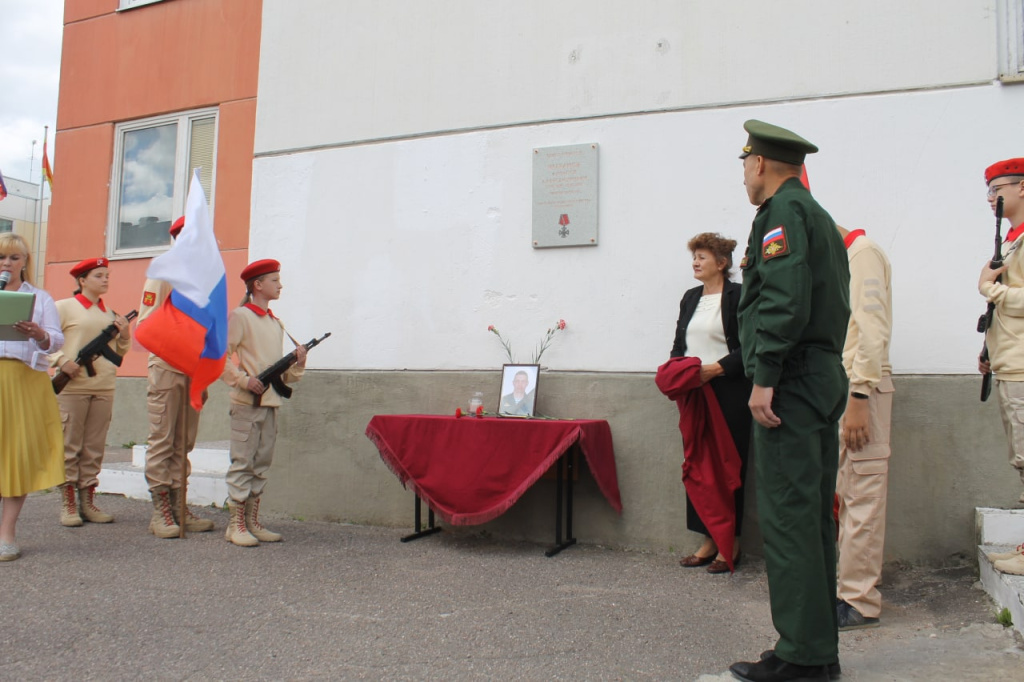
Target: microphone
[5, 277]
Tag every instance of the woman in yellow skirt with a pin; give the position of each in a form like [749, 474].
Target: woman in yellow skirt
[32, 445]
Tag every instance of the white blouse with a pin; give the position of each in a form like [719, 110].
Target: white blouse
[705, 335]
[44, 313]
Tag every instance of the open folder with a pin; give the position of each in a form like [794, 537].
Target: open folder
[15, 306]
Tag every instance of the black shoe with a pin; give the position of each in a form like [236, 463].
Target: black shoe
[834, 670]
[774, 669]
[851, 619]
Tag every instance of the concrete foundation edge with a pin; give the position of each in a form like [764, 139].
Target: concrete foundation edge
[948, 457]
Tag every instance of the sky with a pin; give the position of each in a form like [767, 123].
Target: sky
[30, 42]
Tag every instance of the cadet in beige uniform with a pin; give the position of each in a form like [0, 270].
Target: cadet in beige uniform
[167, 464]
[256, 336]
[87, 402]
[1006, 352]
[863, 478]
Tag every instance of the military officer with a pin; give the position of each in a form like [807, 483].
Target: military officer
[793, 312]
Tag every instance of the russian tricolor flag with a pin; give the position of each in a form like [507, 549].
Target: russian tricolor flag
[773, 235]
[190, 329]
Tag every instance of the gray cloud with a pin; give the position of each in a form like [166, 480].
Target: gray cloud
[30, 32]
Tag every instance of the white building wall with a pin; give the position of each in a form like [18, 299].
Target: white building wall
[415, 241]
[21, 204]
[337, 72]
[21, 207]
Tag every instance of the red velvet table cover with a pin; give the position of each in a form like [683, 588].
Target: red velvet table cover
[472, 469]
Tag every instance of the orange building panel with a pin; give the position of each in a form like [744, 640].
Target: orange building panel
[78, 209]
[162, 58]
[156, 59]
[236, 138]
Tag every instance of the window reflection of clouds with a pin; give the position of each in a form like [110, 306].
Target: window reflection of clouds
[148, 173]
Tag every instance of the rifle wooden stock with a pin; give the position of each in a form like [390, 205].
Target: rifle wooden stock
[92, 350]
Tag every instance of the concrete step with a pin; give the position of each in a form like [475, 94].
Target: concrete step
[1000, 530]
[999, 526]
[206, 483]
[213, 457]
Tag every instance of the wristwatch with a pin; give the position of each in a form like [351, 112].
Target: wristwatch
[859, 396]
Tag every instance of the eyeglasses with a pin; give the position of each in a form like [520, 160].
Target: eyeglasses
[994, 189]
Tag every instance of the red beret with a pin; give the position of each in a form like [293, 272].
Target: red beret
[176, 226]
[260, 267]
[89, 264]
[1008, 167]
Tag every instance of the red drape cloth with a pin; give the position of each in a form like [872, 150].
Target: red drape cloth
[471, 470]
[711, 465]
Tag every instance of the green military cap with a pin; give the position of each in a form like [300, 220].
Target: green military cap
[773, 142]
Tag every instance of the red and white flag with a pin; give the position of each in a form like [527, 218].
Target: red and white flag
[47, 171]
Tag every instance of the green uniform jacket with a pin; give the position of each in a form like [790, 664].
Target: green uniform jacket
[796, 284]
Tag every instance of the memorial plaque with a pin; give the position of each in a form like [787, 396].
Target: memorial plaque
[565, 196]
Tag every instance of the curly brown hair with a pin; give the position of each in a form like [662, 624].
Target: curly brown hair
[722, 248]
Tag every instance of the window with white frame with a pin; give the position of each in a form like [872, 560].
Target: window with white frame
[6, 225]
[128, 4]
[1011, 39]
[153, 162]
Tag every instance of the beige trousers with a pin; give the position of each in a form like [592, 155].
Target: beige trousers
[86, 419]
[253, 434]
[1011, 404]
[166, 395]
[862, 484]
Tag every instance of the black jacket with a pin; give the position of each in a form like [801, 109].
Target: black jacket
[731, 363]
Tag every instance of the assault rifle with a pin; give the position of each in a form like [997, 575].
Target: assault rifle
[985, 321]
[92, 350]
[273, 375]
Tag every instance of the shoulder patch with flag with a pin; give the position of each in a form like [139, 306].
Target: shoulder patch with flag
[774, 243]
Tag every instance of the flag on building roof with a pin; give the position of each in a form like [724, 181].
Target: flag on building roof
[3, 188]
[190, 328]
[47, 171]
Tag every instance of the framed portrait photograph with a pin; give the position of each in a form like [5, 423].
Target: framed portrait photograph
[518, 397]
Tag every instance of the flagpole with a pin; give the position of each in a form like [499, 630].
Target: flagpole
[38, 226]
[31, 160]
[182, 428]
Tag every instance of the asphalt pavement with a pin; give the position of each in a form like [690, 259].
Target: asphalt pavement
[342, 602]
